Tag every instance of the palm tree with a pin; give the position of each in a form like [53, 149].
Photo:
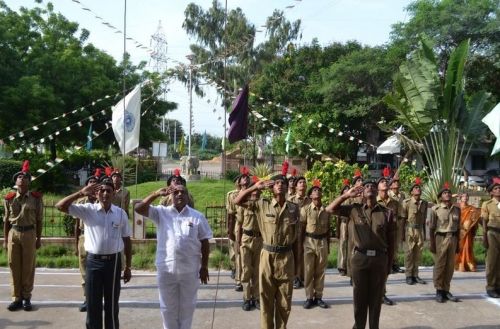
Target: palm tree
[442, 121]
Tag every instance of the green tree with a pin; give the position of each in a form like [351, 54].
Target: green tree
[451, 22]
[442, 119]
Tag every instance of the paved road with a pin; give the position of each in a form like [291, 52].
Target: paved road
[58, 293]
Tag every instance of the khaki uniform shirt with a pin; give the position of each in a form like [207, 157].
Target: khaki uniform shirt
[24, 210]
[249, 220]
[399, 198]
[445, 219]
[121, 199]
[278, 225]
[168, 200]
[490, 212]
[391, 204]
[316, 219]
[369, 228]
[414, 213]
[301, 201]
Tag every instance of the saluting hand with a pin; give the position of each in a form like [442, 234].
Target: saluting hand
[354, 191]
[162, 192]
[90, 190]
[264, 184]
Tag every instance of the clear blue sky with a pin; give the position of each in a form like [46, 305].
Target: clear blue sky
[368, 21]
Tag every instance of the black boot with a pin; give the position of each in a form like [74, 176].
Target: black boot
[27, 305]
[447, 295]
[440, 297]
[409, 280]
[14, 306]
[308, 303]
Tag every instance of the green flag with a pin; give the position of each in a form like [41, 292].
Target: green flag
[180, 147]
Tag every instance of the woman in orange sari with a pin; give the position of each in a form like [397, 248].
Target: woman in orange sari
[469, 218]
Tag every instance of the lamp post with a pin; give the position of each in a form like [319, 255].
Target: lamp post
[191, 58]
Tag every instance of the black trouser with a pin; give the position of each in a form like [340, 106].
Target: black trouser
[99, 283]
[369, 274]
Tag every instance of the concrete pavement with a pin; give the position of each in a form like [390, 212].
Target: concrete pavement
[58, 293]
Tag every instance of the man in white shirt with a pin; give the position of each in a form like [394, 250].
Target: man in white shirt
[181, 254]
[107, 234]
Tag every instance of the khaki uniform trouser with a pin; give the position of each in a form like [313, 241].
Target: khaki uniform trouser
[413, 252]
[342, 253]
[399, 238]
[235, 259]
[493, 261]
[369, 274]
[444, 261]
[276, 272]
[299, 266]
[82, 258]
[250, 257]
[21, 250]
[315, 261]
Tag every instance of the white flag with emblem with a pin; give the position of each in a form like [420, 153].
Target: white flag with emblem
[126, 120]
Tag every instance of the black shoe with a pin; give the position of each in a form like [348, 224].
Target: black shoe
[410, 280]
[256, 303]
[83, 307]
[447, 295]
[27, 305]
[14, 306]
[321, 303]
[440, 296]
[247, 305]
[233, 274]
[492, 294]
[387, 301]
[419, 280]
[296, 283]
[309, 303]
[238, 287]
[342, 272]
[396, 269]
[350, 282]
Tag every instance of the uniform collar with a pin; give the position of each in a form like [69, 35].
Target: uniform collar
[18, 195]
[377, 205]
[443, 205]
[101, 208]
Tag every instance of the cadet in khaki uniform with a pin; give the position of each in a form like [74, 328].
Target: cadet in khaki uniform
[80, 237]
[371, 230]
[395, 194]
[490, 213]
[278, 222]
[173, 180]
[444, 227]
[414, 212]
[300, 199]
[22, 236]
[122, 195]
[388, 202]
[250, 241]
[316, 228]
[234, 215]
[341, 231]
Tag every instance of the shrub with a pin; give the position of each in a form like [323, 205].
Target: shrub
[231, 174]
[7, 169]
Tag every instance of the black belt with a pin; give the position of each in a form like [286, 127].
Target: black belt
[447, 233]
[370, 252]
[494, 229]
[277, 249]
[414, 225]
[251, 233]
[317, 236]
[23, 228]
[101, 257]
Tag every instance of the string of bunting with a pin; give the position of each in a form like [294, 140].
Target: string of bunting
[90, 118]
[52, 164]
[22, 133]
[112, 27]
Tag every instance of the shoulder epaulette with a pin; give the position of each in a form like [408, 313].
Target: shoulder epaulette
[10, 196]
[36, 194]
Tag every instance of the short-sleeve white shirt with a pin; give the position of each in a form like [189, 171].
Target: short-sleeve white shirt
[179, 236]
[103, 230]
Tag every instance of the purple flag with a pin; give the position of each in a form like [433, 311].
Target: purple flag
[238, 118]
